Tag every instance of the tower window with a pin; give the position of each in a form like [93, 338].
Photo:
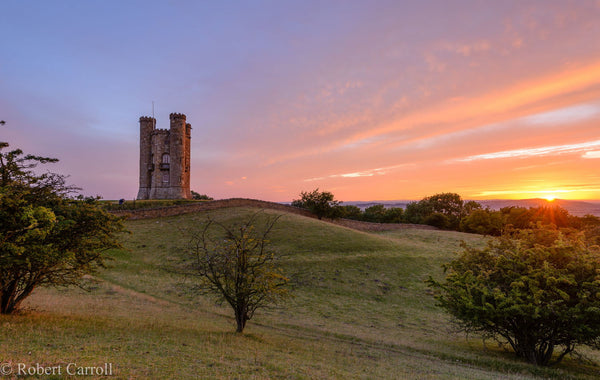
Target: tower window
[166, 158]
[165, 178]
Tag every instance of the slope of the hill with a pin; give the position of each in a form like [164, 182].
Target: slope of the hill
[361, 310]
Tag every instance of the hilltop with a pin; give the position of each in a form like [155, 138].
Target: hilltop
[361, 310]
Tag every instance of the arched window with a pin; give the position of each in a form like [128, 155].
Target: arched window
[165, 158]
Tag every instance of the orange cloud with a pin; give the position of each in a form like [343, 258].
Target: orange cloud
[541, 151]
[514, 102]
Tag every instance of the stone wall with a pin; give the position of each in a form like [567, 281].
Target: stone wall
[207, 205]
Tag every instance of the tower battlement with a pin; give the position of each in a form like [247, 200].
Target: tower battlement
[175, 115]
[165, 159]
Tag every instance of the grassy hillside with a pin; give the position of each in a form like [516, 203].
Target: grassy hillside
[361, 310]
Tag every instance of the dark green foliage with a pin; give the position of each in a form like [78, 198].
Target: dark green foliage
[320, 203]
[46, 238]
[235, 263]
[437, 219]
[416, 212]
[522, 218]
[449, 212]
[393, 215]
[538, 290]
[443, 210]
[448, 204]
[380, 214]
[592, 236]
[469, 207]
[200, 197]
[348, 212]
[375, 214]
[483, 221]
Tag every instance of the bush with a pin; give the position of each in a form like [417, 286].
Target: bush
[348, 212]
[200, 197]
[538, 290]
[484, 222]
[374, 214]
[438, 220]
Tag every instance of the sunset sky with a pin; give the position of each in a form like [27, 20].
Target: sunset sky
[366, 99]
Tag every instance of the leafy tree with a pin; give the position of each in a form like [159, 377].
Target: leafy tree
[375, 214]
[437, 219]
[416, 212]
[320, 203]
[46, 237]
[523, 218]
[394, 215]
[517, 217]
[235, 263]
[470, 206]
[448, 204]
[538, 290]
[202, 197]
[348, 212]
[482, 221]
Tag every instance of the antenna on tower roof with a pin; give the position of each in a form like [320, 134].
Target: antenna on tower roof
[153, 119]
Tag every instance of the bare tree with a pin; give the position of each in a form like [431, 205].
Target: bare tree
[235, 263]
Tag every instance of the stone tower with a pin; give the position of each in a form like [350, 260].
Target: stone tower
[165, 159]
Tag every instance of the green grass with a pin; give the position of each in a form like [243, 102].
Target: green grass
[361, 310]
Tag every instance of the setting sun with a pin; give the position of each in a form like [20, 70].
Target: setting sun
[551, 195]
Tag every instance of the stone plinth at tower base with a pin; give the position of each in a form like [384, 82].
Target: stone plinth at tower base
[165, 159]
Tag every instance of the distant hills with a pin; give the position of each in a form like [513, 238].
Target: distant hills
[577, 208]
[574, 207]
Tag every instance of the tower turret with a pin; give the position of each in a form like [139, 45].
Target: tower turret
[147, 125]
[179, 146]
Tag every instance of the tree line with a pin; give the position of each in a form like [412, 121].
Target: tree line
[448, 211]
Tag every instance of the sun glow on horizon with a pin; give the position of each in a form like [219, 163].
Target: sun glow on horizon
[549, 195]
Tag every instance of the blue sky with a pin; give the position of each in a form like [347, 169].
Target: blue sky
[368, 99]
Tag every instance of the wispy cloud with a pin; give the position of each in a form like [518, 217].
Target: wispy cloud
[592, 154]
[532, 152]
[565, 115]
[364, 173]
[506, 104]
